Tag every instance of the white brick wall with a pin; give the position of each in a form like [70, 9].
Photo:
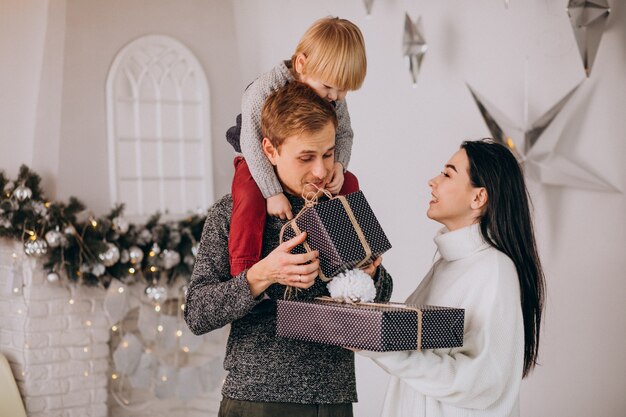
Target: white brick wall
[58, 351]
[57, 342]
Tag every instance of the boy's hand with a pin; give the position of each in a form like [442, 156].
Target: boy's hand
[336, 181]
[279, 206]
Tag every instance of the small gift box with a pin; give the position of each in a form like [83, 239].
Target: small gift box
[371, 326]
[343, 229]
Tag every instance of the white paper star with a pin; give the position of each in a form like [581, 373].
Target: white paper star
[588, 19]
[543, 164]
[414, 45]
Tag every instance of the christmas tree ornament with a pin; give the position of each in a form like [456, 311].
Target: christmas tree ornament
[52, 277]
[194, 250]
[22, 193]
[110, 256]
[136, 254]
[189, 260]
[170, 258]
[121, 225]
[98, 269]
[588, 19]
[155, 250]
[69, 229]
[54, 238]
[414, 46]
[8, 188]
[156, 293]
[35, 246]
[124, 256]
[8, 205]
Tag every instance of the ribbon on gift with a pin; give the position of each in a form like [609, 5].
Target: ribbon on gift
[395, 305]
[310, 200]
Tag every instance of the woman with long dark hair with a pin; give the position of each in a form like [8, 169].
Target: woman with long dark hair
[489, 266]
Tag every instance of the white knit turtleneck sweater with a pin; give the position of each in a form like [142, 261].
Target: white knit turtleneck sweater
[481, 378]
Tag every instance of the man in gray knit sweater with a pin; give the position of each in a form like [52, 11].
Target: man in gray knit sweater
[268, 375]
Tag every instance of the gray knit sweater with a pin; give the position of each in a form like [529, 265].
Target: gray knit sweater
[261, 366]
[251, 137]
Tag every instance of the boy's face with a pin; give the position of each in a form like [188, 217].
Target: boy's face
[324, 90]
[303, 159]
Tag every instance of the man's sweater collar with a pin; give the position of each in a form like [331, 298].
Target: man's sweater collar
[460, 243]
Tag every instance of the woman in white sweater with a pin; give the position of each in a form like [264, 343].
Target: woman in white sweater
[489, 266]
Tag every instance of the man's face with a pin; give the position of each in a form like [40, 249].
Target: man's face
[304, 159]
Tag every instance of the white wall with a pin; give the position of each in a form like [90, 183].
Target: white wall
[403, 135]
[95, 32]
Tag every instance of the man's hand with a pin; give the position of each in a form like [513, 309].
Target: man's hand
[336, 181]
[283, 267]
[371, 268]
[278, 206]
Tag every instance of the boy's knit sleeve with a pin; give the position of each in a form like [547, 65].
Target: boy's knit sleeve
[214, 298]
[251, 137]
[344, 135]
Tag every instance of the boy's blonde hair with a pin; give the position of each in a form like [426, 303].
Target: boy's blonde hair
[295, 109]
[335, 53]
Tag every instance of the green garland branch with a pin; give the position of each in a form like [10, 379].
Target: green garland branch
[93, 250]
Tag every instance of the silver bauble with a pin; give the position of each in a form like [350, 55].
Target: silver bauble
[155, 249]
[194, 249]
[84, 268]
[52, 277]
[135, 254]
[121, 225]
[144, 237]
[189, 260]
[156, 293]
[69, 229]
[35, 247]
[22, 193]
[8, 187]
[171, 258]
[54, 238]
[98, 270]
[124, 256]
[110, 256]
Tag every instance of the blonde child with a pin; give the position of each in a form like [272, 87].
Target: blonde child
[330, 58]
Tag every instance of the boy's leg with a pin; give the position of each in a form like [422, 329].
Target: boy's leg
[247, 221]
[350, 183]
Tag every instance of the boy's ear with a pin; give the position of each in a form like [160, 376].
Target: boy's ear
[269, 150]
[480, 199]
[300, 63]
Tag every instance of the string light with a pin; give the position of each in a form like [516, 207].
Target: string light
[120, 290]
[179, 333]
[86, 349]
[71, 301]
[157, 308]
[113, 376]
[153, 268]
[185, 349]
[88, 323]
[114, 328]
[160, 328]
[131, 270]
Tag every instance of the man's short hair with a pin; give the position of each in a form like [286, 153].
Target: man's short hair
[295, 109]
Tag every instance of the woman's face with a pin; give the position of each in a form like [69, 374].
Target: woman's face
[455, 202]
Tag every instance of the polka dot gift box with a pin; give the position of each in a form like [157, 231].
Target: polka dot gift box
[343, 229]
[371, 326]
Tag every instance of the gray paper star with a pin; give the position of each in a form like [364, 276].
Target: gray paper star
[543, 165]
[368, 6]
[588, 18]
[414, 46]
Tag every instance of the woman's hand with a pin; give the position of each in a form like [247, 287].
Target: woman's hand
[280, 266]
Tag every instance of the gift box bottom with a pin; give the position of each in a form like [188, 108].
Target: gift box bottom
[371, 327]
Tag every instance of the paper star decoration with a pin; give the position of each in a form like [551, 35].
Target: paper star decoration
[541, 163]
[368, 6]
[413, 45]
[588, 18]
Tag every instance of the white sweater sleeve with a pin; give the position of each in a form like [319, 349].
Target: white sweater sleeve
[475, 375]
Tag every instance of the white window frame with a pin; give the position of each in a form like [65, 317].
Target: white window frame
[155, 50]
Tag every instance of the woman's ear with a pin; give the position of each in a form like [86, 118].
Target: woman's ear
[300, 63]
[269, 150]
[480, 199]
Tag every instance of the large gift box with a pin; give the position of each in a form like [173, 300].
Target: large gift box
[343, 229]
[371, 326]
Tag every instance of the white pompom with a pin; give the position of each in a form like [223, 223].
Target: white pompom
[354, 285]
